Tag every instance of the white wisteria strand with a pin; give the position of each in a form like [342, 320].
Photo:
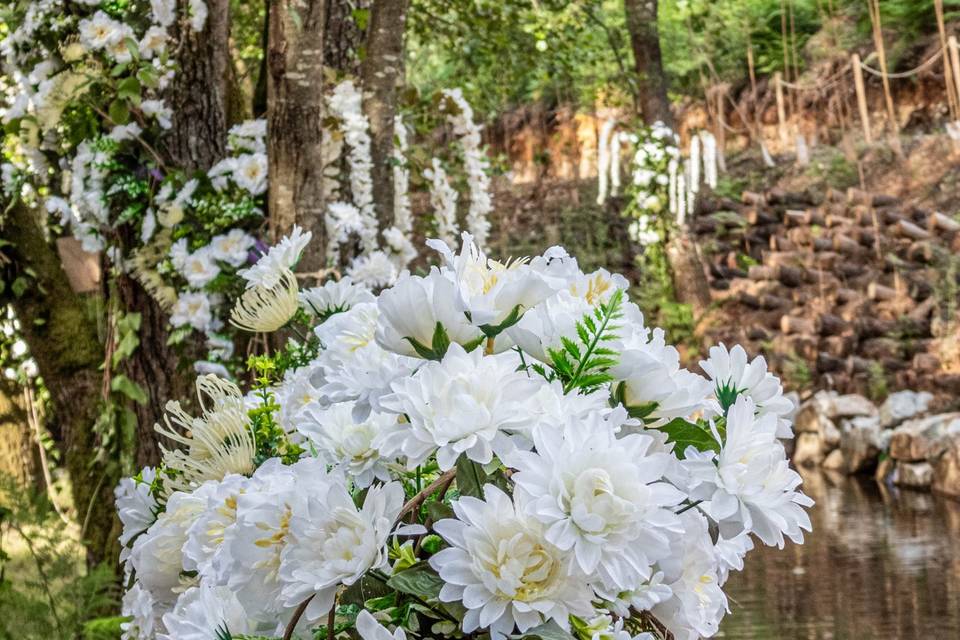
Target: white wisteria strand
[475, 164]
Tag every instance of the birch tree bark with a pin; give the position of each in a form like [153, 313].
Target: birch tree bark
[382, 74]
[295, 101]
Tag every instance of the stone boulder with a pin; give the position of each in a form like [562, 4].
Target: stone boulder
[808, 451]
[862, 442]
[834, 461]
[923, 438]
[903, 405]
[946, 469]
[913, 475]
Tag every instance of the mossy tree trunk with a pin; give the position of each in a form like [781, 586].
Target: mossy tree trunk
[382, 74]
[60, 328]
[19, 458]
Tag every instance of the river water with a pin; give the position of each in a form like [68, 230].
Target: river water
[881, 564]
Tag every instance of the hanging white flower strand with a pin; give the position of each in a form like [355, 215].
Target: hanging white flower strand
[615, 141]
[443, 199]
[346, 104]
[603, 159]
[476, 165]
[709, 158]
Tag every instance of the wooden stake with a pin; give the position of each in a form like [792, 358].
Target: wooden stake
[881, 54]
[948, 69]
[753, 75]
[781, 110]
[861, 97]
[955, 61]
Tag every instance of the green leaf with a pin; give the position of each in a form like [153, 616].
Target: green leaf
[119, 112]
[685, 434]
[419, 580]
[129, 89]
[470, 477]
[440, 342]
[438, 510]
[129, 388]
[548, 631]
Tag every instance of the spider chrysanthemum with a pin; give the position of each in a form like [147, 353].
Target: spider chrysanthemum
[218, 442]
[266, 309]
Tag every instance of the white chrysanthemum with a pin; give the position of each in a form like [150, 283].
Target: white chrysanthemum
[332, 543]
[232, 247]
[153, 42]
[490, 291]
[731, 552]
[503, 570]
[164, 11]
[136, 507]
[601, 497]
[369, 629]
[218, 442]
[334, 296]
[100, 31]
[641, 598]
[192, 308]
[253, 545]
[280, 259]
[203, 550]
[749, 485]
[698, 603]
[649, 379]
[157, 556]
[344, 441]
[203, 613]
[138, 606]
[732, 375]
[267, 309]
[412, 309]
[354, 366]
[542, 327]
[250, 172]
[374, 270]
[199, 268]
[467, 404]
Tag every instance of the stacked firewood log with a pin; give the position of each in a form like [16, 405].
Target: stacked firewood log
[857, 286]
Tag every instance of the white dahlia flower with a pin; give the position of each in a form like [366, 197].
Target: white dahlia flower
[504, 571]
[467, 404]
[600, 497]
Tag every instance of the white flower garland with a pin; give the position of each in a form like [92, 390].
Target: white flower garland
[476, 165]
[443, 199]
[346, 103]
[603, 159]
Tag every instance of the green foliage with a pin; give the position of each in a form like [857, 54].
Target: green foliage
[582, 363]
[689, 434]
[45, 592]
[103, 628]
[271, 438]
[877, 386]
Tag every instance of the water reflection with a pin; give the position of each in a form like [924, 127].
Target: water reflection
[881, 564]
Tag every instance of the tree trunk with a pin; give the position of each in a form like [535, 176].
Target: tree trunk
[60, 329]
[19, 458]
[382, 74]
[295, 109]
[201, 97]
[200, 93]
[343, 37]
[645, 40]
[689, 280]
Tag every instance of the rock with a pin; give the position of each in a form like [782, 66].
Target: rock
[829, 434]
[902, 405]
[946, 470]
[851, 405]
[923, 438]
[885, 471]
[834, 461]
[915, 475]
[808, 451]
[862, 442]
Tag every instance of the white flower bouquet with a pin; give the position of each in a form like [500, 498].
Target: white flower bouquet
[489, 450]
